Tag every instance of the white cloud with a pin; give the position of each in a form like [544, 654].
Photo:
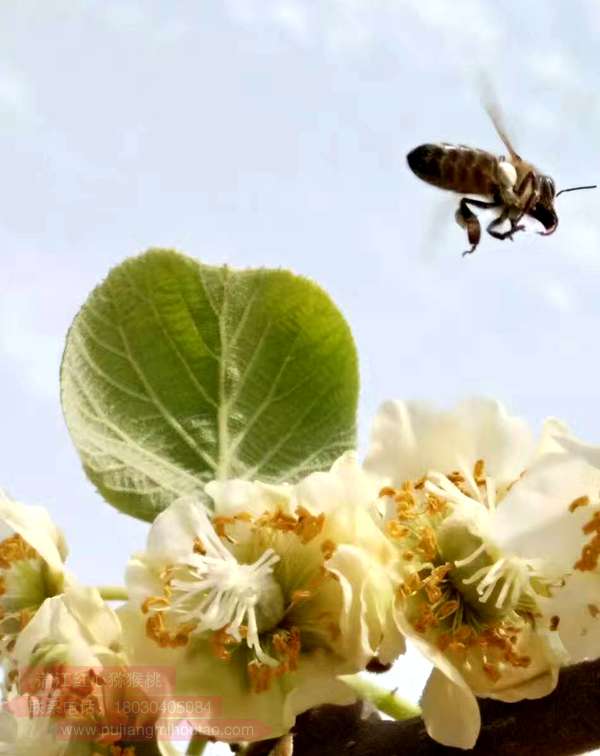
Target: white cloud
[242, 12]
[361, 22]
[553, 67]
[293, 17]
[36, 308]
[557, 295]
[16, 97]
[136, 19]
[124, 16]
[352, 25]
[591, 10]
[584, 240]
[463, 20]
[32, 354]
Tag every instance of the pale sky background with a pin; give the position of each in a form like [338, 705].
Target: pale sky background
[274, 132]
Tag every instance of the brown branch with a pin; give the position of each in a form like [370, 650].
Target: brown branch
[565, 722]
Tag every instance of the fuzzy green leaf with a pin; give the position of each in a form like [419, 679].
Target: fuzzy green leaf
[176, 373]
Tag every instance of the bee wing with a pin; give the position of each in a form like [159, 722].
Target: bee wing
[490, 103]
[495, 117]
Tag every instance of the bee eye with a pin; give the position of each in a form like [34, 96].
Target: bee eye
[551, 187]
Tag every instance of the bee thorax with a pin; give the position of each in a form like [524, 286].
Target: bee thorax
[507, 174]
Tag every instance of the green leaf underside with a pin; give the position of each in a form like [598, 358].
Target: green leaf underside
[176, 373]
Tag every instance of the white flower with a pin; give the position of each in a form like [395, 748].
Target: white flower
[31, 726]
[32, 555]
[27, 728]
[488, 530]
[75, 629]
[272, 597]
[579, 603]
[71, 653]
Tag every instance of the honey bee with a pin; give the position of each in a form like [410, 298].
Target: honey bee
[509, 184]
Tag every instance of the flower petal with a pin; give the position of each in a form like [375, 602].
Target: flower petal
[534, 520]
[34, 525]
[411, 438]
[577, 607]
[448, 706]
[367, 598]
[173, 531]
[345, 485]
[269, 714]
[78, 621]
[234, 496]
[450, 711]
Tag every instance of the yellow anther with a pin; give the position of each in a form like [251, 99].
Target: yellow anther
[309, 526]
[492, 671]
[428, 544]
[479, 472]
[581, 501]
[15, 549]
[396, 530]
[152, 602]
[199, 547]
[328, 548]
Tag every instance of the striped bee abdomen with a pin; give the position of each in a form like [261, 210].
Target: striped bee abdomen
[455, 167]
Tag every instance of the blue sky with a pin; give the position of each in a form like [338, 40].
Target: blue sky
[274, 132]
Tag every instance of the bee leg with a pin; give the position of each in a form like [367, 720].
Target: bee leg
[491, 227]
[466, 218]
[514, 227]
[529, 181]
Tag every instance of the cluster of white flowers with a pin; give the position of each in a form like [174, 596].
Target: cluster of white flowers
[459, 532]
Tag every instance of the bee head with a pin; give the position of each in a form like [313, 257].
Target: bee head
[547, 190]
[543, 210]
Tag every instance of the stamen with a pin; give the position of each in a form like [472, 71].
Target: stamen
[199, 547]
[395, 530]
[435, 505]
[220, 640]
[286, 645]
[428, 545]
[210, 590]
[491, 494]
[328, 548]
[447, 609]
[309, 526]
[15, 549]
[581, 501]
[479, 472]
[298, 596]
[442, 486]
[590, 553]
[304, 524]
[492, 671]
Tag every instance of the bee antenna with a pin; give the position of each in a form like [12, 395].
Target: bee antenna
[576, 189]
